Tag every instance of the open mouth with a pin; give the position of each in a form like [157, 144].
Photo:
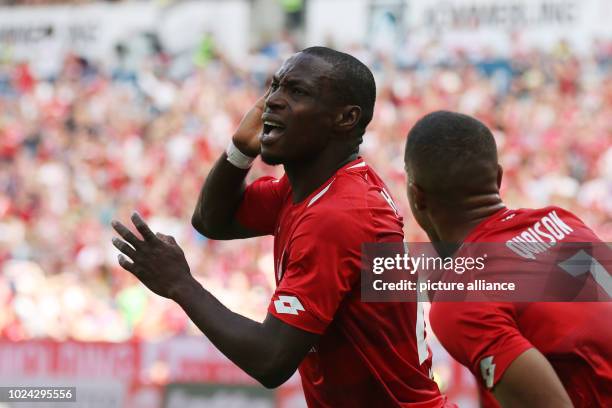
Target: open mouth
[272, 131]
[270, 125]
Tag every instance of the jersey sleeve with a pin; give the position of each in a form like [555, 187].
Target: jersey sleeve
[261, 204]
[322, 266]
[483, 337]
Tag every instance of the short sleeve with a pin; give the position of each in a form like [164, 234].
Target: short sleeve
[322, 266]
[261, 204]
[481, 336]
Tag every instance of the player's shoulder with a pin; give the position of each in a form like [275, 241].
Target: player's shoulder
[279, 186]
[357, 187]
[354, 201]
[508, 223]
[334, 210]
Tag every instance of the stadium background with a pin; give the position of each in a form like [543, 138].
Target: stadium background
[106, 107]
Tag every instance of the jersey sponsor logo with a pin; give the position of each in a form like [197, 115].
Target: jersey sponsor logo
[540, 236]
[288, 305]
[487, 369]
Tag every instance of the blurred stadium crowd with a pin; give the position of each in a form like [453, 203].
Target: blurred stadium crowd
[95, 143]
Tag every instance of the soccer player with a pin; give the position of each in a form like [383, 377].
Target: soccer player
[522, 354]
[349, 353]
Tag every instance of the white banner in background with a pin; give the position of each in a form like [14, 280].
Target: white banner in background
[499, 23]
[45, 34]
[464, 23]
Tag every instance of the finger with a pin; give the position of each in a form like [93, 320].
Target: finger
[125, 264]
[268, 84]
[143, 228]
[126, 234]
[168, 239]
[261, 102]
[162, 237]
[124, 247]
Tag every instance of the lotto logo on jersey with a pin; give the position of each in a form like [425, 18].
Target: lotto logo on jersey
[288, 305]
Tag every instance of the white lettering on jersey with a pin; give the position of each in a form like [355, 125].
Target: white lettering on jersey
[540, 236]
[389, 200]
[288, 305]
[422, 350]
[487, 369]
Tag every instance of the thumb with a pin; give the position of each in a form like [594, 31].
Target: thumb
[261, 102]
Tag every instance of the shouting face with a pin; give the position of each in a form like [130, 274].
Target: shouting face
[299, 111]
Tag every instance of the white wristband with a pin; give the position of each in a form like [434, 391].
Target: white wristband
[237, 158]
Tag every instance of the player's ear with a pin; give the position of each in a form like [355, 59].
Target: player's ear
[500, 174]
[347, 118]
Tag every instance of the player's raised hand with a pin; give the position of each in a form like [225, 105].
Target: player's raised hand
[246, 137]
[156, 260]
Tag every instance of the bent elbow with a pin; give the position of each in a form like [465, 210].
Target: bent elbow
[198, 223]
[274, 375]
[270, 384]
[203, 226]
[273, 381]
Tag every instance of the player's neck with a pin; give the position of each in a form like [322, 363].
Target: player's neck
[455, 222]
[306, 177]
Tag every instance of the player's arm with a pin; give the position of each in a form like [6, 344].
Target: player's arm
[222, 192]
[530, 381]
[270, 351]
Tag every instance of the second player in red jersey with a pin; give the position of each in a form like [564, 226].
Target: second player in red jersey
[522, 354]
[575, 337]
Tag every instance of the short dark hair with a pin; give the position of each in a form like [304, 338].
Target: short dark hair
[449, 151]
[353, 81]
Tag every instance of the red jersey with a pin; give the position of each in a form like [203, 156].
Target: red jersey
[368, 354]
[486, 337]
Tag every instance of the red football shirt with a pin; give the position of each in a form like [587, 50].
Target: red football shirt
[369, 354]
[575, 337]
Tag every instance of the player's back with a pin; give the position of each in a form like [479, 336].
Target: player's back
[575, 337]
